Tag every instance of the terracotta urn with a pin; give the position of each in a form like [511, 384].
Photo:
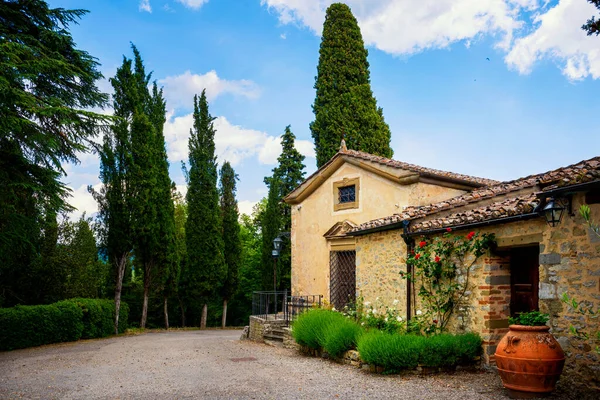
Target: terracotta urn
[529, 361]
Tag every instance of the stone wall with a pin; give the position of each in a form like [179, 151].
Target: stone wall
[256, 329]
[569, 261]
[380, 258]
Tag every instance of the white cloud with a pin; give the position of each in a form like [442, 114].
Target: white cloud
[193, 4]
[245, 206]
[179, 90]
[558, 36]
[233, 142]
[83, 201]
[410, 26]
[145, 6]
[283, 36]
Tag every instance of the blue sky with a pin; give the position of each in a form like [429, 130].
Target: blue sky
[531, 107]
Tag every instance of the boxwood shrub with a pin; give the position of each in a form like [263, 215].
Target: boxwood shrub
[65, 321]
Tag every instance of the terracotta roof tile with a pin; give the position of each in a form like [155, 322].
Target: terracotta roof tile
[510, 207]
[418, 169]
[582, 172]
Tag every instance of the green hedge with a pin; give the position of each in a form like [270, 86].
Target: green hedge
[99, 317]
[65, 321]
[395, 352]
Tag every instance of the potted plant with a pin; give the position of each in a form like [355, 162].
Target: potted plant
[529, 359]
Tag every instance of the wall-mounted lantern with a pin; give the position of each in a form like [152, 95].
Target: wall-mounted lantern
[554, 210]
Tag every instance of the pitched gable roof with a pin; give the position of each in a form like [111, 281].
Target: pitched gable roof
[507, 199]
[397, 171]
[429, 172]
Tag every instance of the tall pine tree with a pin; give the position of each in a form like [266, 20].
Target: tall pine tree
[231, 234]
[46, 84]
[143, 174]
[114, 198]
[166, 253]
[277, 217]
[271, 227]
[205, 266]
[344, 106]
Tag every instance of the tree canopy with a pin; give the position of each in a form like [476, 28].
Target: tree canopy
[46, 83]
[344, 105]
[592, 26]
[205, 265]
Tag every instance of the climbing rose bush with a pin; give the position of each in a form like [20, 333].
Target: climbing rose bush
[441, 271]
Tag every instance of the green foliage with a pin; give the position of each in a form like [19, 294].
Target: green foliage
[99, 317]
[344, 106]
[586, 214]
[231, 229]
[592, 26]
[46, 83]
[310, 327]
[270, 228]
[395, 352]
[26, 326]
[586, 310]
[249, 274]
[531, 318]
[64, 321]
[442, 270]
[277, 216]
[205, 265]
[341, 336]
[379, 316]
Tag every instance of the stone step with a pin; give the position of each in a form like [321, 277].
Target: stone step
[273, 336]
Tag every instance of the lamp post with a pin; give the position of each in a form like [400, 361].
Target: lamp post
[275, 253]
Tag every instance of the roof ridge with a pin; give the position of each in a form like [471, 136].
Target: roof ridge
[420, 169]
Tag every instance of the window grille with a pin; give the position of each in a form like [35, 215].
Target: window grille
[347, 194]
[342, 284]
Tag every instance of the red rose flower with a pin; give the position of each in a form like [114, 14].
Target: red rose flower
[412, 252]
[417, 256]
[435, 321]
[470, 235]
[437, 259]
[422, 244]
[448, 229]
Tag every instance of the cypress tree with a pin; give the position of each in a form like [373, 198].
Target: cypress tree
[270, 227]
[277, 217]
[114, 198]
[231, 234]
[205, 264]
[167, 257]
[344, 106]
[143, 172]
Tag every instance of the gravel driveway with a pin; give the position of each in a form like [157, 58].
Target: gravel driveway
[211, 364]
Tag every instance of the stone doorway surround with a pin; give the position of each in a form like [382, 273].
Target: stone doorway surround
[495, 289]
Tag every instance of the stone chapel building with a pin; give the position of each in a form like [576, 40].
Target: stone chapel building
[355, 219]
